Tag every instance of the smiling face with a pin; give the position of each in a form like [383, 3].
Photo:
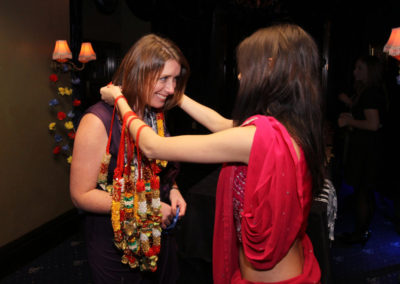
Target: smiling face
[165, 84]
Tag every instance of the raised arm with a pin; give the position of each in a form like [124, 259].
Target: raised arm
[206, 116]
[230, 145]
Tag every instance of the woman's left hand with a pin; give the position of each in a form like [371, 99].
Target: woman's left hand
[177, 200]
[345, 119]
[109, 93]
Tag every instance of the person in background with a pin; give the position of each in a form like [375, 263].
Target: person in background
[153, 75]
[273, 155]
[365, 122]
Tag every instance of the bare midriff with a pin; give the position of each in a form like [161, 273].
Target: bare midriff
[291, 265]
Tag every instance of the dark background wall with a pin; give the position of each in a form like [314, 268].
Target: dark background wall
[208, 32]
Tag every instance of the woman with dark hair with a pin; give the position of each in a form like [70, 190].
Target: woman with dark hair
[364, 122]
[273, 157]
[123, 243]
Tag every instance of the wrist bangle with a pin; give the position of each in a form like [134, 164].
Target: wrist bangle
[119, 97]
[127, 115]
[132, 118]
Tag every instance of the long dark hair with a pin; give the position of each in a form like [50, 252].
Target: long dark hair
[141, 67]
[280, 77]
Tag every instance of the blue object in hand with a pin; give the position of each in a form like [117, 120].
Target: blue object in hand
[174, 221]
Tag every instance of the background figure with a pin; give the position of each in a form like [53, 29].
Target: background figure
[153, 75]
[273, 157]
[363, 153]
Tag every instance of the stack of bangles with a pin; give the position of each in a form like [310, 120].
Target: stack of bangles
[129, 117]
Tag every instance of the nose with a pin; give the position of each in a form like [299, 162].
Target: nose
[170, 87]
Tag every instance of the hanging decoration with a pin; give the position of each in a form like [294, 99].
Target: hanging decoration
[62, 128]
[135, 209]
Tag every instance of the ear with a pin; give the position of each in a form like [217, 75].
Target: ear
[270, 62]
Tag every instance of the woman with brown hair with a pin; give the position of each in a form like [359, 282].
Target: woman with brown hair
[153, 76]
[273, 157]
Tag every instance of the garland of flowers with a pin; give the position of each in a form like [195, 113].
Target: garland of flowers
[62, 128]
[135, 209]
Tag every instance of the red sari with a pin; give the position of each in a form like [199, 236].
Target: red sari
[276, 205]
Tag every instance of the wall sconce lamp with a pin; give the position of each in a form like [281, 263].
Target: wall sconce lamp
[62, 54]
[392, 47]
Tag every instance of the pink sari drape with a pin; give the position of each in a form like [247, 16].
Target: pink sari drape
[276, 206]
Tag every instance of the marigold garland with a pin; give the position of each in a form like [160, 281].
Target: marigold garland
[135, 208]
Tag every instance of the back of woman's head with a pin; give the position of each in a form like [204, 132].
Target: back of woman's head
[280, 77]
[279, 68]
[141, 67]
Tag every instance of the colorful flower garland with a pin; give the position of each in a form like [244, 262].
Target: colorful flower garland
[135, 209]
[65, 118]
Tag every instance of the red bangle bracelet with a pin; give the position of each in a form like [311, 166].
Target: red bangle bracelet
[119, 97]
[138, 133]
[133, 118]
[128, 115]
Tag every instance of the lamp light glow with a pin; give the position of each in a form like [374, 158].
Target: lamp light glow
[392, 47]
[61, 52]
[87, 53]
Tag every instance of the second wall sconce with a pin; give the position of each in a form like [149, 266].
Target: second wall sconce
[62, 55]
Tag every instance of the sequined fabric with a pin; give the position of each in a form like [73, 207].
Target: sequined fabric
[239, 184]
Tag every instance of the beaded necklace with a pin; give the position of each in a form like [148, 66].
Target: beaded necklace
[135, 209]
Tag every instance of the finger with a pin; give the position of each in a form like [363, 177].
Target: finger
[182, 211]
[173, 206]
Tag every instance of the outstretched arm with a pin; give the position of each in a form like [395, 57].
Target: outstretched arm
[230, 145]
[206, 116]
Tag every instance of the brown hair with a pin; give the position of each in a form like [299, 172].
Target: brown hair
[280, 77]
[141, 67]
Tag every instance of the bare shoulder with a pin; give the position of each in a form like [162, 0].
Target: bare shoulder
[91, 124]
[91, 133]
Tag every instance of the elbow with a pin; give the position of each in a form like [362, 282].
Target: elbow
[75, 201]
[374, 126]
[149, 149]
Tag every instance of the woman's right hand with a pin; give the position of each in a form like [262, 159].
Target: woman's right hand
[344, 119]
[167, 215]
[109, 93]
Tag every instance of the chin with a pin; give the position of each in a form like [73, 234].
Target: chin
[157, 106]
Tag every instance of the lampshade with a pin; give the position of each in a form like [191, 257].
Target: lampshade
[87, 53]
[61, 51]
[392, 47]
